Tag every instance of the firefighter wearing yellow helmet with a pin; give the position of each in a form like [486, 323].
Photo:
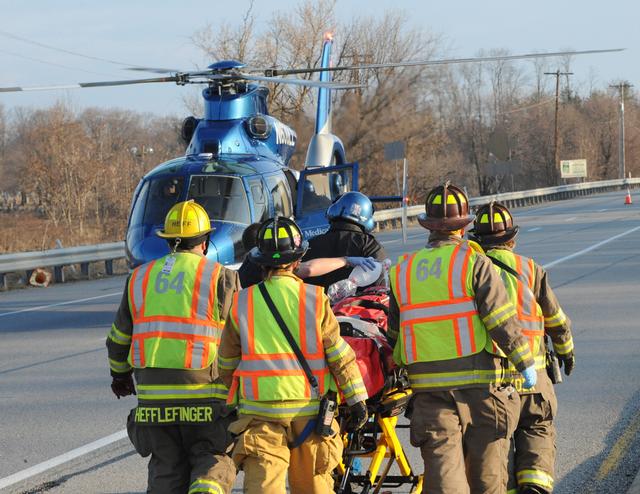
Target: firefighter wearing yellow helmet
[166, 333]
[283, 357]
[539, 314]
[449, 311]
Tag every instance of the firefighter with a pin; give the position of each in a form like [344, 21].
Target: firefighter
[350, 225]
[251, 273]
[166, 333]
[448, 311]
[539, 314]
[278, 404]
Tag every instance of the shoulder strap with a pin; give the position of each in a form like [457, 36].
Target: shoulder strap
[287, 334]
[508, 269]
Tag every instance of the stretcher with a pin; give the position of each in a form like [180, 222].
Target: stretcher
[376, 447]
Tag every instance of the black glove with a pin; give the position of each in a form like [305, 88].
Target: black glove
[569, 361]
[358, 416]
[123, 386]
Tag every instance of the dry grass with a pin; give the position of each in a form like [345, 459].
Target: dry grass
[28, 231]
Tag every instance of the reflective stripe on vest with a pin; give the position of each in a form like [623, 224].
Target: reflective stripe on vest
[268, 369]
[172, 392]
[437, 326]
[528, 311]
[184, 328]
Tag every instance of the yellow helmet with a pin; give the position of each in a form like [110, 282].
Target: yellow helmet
[186, 219]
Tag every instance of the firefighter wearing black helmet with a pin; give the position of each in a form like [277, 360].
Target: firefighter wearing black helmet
[450, 312]
[539, 314]
[278, 402]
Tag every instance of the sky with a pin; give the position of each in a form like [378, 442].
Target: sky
[158, 34]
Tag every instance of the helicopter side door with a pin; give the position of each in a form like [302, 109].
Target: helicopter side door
[316, 190]
[280, 194]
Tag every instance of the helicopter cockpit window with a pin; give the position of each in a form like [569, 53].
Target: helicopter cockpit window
[259, 196]
[280, 195]
[137, 213]
[224, 198]
[163, 193]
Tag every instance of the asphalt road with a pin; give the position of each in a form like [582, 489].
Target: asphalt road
[54, 379]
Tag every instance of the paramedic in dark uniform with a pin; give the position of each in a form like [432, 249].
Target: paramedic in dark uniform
[351, 221]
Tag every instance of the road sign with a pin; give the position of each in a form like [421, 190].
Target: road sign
[394, 151]
[573, 168]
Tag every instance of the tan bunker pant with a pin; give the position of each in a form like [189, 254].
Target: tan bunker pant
[463, 436]
[534, 442]
[186, 458]
[262, 451]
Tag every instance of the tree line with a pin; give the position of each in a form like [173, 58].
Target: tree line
[489, 126]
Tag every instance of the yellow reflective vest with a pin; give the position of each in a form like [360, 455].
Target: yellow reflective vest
[438, 316]
[176, 320]
[528, 311]
[268, 379]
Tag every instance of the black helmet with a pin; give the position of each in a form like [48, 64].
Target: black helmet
[446, 208]
[280, 242]
[494, 224]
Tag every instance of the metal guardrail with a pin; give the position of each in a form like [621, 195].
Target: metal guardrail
[58, 258]
[392, 217]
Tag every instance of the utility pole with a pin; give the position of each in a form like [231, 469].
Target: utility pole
[557, 73]
[621, 87]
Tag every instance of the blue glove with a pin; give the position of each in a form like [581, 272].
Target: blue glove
[366, 263]
[530, 377]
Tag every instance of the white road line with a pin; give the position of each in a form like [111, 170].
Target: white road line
[534, 229]
[589, 249]
[68, 302]
[602, 210]
[105, 441]
[571, 219]
[59, 460]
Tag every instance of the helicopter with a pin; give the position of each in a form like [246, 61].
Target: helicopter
[237, 157]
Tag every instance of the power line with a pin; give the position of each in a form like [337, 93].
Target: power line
[62, 50]
[52, 63]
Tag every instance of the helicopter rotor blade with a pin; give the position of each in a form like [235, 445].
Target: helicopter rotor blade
[449, 61]
[175, 78]
[298, 82]
[154, 70]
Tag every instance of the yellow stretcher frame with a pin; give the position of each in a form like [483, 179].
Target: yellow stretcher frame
[387, 446]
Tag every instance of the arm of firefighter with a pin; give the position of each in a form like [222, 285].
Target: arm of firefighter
[340, 358]
[556, 324]
[498, 314]
[228, 285]
[320, 266]
[393, 320]
[119, 338]
[230, 349]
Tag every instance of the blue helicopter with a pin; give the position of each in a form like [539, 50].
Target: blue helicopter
[236, 162]
[235, 166]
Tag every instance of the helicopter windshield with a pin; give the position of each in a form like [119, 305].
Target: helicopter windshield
[224, 198]
[161, 194]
